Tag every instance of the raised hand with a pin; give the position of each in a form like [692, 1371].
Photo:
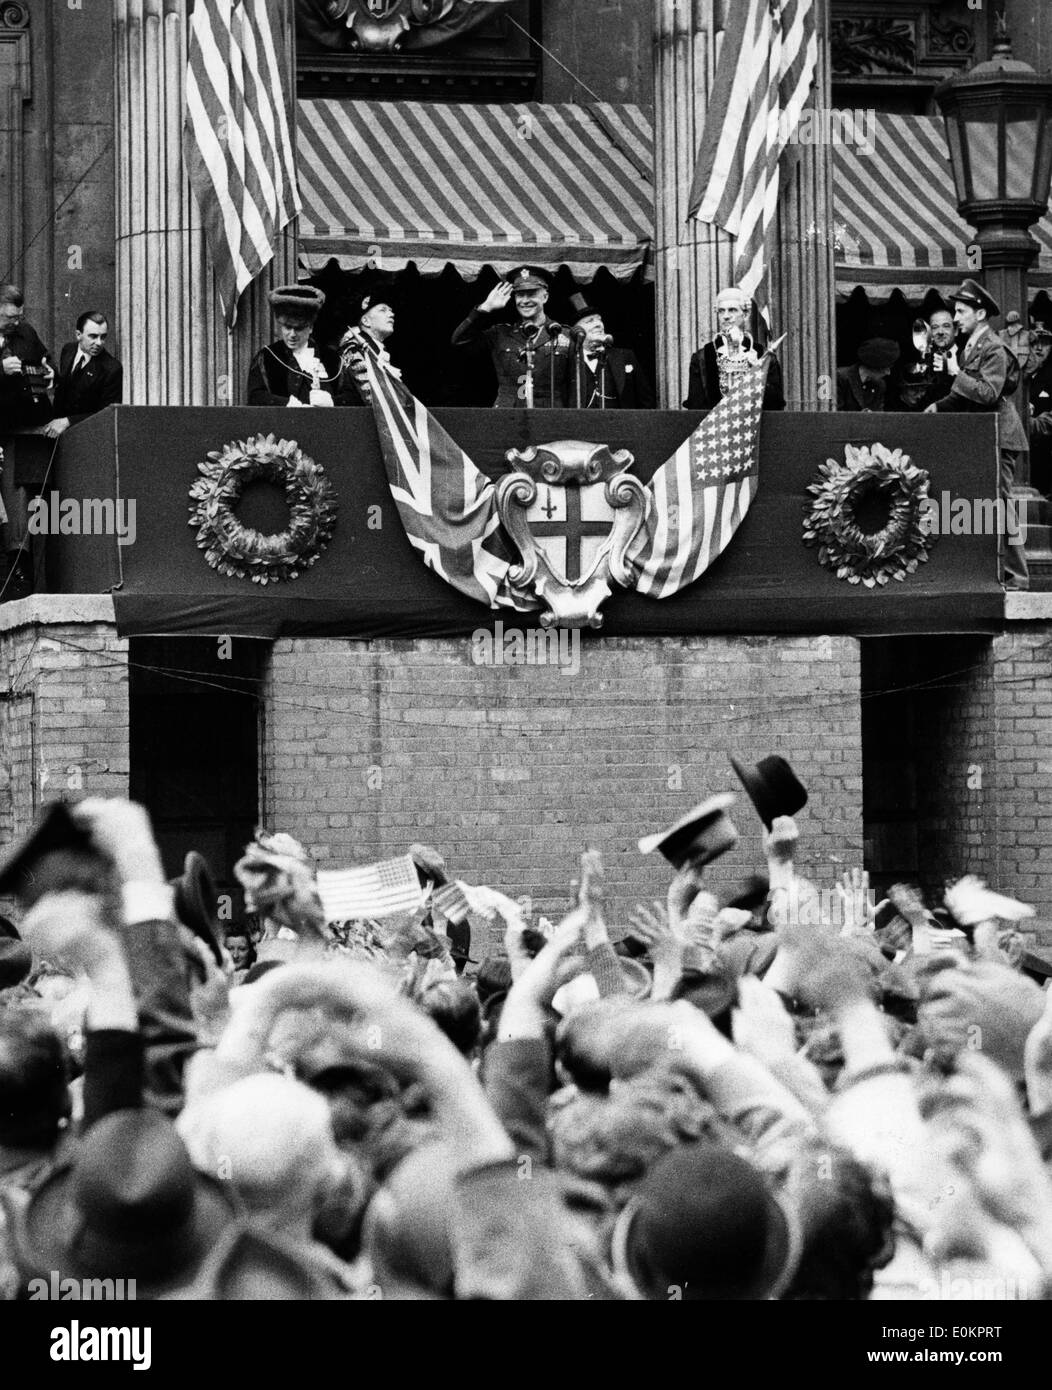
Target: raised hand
[497, 298]
[856, 902]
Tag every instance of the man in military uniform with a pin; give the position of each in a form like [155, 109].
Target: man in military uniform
[604, 377]
[984, 382]
[511, 345]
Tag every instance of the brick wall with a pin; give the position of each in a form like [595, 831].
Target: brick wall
[511, 770]
[64, 705]
[1022, 682]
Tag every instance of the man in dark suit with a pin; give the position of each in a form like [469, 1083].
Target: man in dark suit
[864, 385]
[718, 364]
[512, 345]
[604, 377]
[89, 378]
[26, 373]
[987, 376]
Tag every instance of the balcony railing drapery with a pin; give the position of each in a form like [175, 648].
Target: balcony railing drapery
[372, 583]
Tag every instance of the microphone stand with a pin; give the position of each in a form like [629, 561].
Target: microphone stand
[554, 329]
[578, 362]
[600, 357]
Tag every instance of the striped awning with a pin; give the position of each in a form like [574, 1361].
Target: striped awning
[475, 186]
[895, 213]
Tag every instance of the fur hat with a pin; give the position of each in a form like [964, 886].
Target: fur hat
[301, 301]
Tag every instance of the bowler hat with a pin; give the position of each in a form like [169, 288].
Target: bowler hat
[706, 1221]
[197, 902]
[305, 301]
[55, 829]
[773, 788]
[251, 1264]
[700, 836]
[879, 353]
[528, 277]
[971, 292]
[128, 1205]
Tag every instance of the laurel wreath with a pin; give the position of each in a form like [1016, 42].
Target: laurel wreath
[239, 551]
[831, 521]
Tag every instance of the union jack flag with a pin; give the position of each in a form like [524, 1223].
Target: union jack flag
[699, 497]
[447, 506]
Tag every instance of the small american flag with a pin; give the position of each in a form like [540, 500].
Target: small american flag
[763, 77]
[237, 146]
[452, 902]
[377, 890]
[699, 497]
[447, 506]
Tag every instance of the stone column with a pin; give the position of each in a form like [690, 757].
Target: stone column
[177, 350]
[695, 261]
[802, 276]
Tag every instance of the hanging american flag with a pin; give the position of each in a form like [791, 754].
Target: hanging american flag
[699, 497]
[447, 506]
[763, 77]
[236, 142]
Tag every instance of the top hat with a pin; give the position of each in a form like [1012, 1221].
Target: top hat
[700, 836]
[971, 292]
[528, 277]
[197, 902]
[582, 309]
[55, 829]
[305, 301]
[128, 1205]
[879, 353]
[773, 788]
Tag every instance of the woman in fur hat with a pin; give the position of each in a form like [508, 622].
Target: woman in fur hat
[294, 370]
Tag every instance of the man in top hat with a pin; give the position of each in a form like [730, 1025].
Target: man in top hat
[295, 370]
[864, 385]
[719, 364]
[367, 337]
[604, 377]
[512, 345]
[988, 375]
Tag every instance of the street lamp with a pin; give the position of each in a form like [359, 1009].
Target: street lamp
[999, 128]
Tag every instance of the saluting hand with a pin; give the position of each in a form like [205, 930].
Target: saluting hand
[497, 298]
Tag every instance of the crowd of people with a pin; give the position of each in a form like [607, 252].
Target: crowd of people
[779, 1092]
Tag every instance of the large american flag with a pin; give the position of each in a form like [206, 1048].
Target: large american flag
[763, 77]
[447, 506]
[237, 146]
[699, 497]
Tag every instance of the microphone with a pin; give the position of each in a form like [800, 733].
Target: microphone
[579, 333]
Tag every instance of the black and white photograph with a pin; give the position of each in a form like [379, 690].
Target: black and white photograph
[513, 788]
